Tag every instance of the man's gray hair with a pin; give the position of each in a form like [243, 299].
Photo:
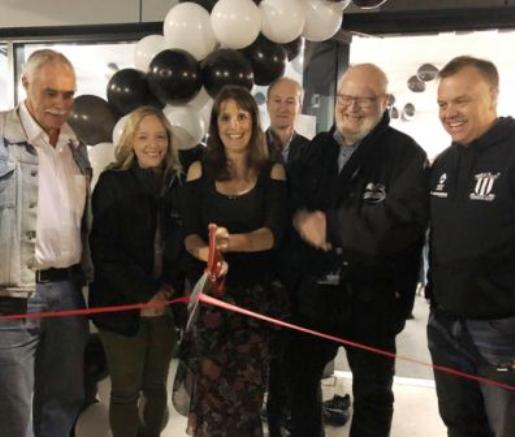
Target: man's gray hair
[43, 57]
[282, 79]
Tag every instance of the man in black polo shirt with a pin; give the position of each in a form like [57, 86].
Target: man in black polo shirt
[472, 256]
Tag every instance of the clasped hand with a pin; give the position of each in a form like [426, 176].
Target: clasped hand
[312, 227]
[158, 302]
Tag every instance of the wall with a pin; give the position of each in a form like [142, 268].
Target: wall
[47, 13]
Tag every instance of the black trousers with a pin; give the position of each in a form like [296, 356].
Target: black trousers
[277, 400]
[306, 356]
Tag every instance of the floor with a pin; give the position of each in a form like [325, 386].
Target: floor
[415, 413]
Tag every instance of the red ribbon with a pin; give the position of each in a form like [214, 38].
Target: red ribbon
[209, 300]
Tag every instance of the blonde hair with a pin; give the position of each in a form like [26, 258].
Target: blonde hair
[124, 151]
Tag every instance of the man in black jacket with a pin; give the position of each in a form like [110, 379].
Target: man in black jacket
[360, 192]
[284, 103]
[286, 146]
[472, 253]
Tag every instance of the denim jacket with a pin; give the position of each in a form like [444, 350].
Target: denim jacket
[18, 205]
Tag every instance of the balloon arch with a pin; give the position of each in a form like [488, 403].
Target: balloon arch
[205, 45]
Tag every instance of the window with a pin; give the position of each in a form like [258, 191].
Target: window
[94, 63]
[4, 75]
[401, 56]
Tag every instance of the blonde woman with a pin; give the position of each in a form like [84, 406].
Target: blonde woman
[135, 245]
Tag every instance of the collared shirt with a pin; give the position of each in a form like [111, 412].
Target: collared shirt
[61, 196]
[278, 151]
[346, 150]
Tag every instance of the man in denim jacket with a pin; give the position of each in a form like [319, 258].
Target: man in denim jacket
[44, 179]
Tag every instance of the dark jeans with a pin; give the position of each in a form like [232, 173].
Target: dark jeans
[478, 347]
[365, 322]
[139, 365]
[43, 359]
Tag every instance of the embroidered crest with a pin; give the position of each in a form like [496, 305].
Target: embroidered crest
[374, 193]
[484, 186]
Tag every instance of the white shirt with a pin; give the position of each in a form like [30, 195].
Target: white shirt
[61, 196]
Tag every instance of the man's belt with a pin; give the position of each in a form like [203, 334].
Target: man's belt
[54, 274]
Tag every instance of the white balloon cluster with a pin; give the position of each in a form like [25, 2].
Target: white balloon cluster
[232, 24]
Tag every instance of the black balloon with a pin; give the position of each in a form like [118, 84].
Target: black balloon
[293, 48]
[427, 72]
[226, 67]
[92, 119]
[127, 89]
[368, 4]
[268, 60]
[416, 85]
[155, 102]
[394, 112]
[206, 4]
[174, 76]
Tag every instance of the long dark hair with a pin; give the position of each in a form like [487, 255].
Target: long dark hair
[215, 160]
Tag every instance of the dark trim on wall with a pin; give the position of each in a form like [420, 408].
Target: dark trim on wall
[111, 32]
[429, 21]
[403, 22]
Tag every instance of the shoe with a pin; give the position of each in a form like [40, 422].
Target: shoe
[338, 402]
[336, 417]
[336, 410]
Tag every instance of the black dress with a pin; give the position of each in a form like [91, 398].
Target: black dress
[228, 353]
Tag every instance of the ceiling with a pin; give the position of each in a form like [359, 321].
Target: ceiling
[422, 16]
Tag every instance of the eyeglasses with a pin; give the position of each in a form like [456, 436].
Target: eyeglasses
[362, 102]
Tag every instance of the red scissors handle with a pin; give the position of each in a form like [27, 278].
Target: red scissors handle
[213, 259]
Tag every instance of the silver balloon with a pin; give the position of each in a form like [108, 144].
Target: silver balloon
[408, 112]
[427, 72]
[416, 85]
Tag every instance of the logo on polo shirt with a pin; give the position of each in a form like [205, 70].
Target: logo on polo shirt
[484, 186]
[440, 187]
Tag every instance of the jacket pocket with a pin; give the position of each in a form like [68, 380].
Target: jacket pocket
[7, 184]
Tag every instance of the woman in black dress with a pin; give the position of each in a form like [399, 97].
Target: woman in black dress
[136, 243]
[238, 189]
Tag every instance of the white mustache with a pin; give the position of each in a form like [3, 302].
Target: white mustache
[56, 111]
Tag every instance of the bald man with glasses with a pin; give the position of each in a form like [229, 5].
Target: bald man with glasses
[360, 196]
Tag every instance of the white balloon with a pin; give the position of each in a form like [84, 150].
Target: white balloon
[343, 4]
[200, 100]
[187, 26]
[205, 113]
[94, 421]
[100, 156]
[323, 19]
[282, 21]
[118, 129]
[188, 125]
[236, 23]
[145, 50]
